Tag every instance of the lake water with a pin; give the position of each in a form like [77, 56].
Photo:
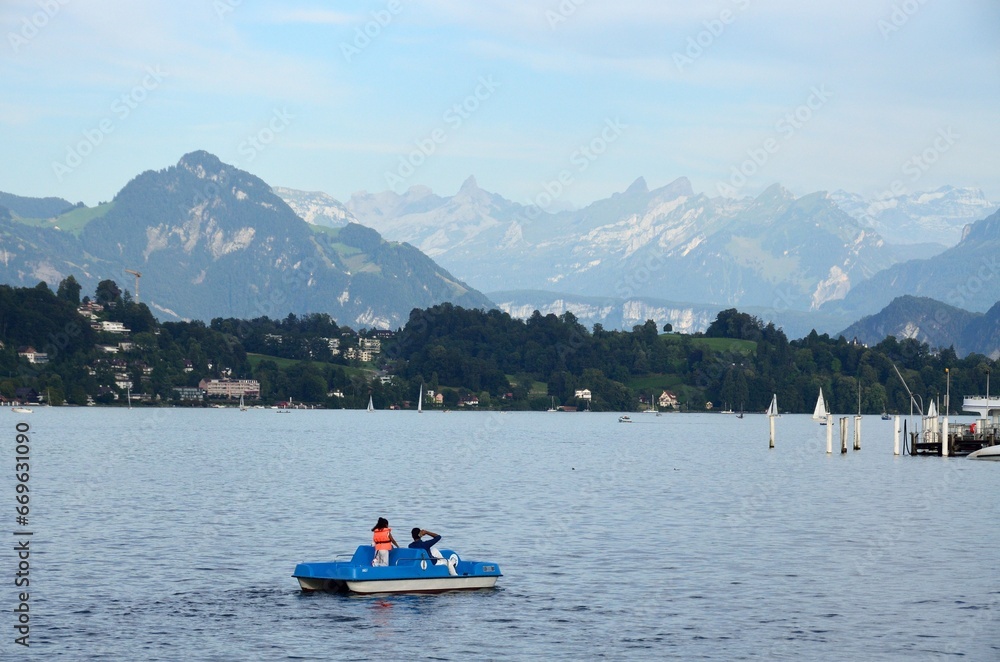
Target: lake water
[171, 534]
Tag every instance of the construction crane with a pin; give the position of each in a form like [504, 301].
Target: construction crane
[137, 277]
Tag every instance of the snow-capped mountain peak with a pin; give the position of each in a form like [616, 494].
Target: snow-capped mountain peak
[316, 207]
[938, 216]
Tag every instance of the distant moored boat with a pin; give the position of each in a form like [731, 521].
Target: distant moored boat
[820, 412]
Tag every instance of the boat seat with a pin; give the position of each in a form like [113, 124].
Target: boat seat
[406, 556]
[364, 555]
[409, 556]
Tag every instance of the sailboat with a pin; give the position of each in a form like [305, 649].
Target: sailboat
[371, 405]
[420, 400]
[772, 409]
[128, 394]
[652, 406]
[243, 407]
[552, 404]
[820, 412]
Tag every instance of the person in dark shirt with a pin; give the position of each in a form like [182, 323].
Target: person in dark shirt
[418, 541]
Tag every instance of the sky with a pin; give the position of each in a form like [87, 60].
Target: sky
[555, 102]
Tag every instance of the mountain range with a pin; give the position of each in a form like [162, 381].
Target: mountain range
[214, 241]
[966, 276]
[936, 217]
[640, 248]
[773, 251]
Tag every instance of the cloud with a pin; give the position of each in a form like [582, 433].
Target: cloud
[104, 47]
[231, 69]
[309, 16]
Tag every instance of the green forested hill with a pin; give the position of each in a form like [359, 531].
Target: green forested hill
[41, 208]
[738, 362]
[927, 320]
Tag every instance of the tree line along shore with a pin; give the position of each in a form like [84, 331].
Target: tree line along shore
[108, 349]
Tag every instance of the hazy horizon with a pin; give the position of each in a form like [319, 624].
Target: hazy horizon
[867, 97]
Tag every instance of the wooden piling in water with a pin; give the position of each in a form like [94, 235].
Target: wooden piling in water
[843, 435]
[857, 433]
[829, 433]
[895, 435]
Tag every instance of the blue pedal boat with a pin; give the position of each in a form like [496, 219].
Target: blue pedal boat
[409, 571]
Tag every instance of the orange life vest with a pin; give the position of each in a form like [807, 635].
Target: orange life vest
[381, 539]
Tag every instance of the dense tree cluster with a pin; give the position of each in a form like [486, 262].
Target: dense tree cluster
[459, 353]
[738, 362]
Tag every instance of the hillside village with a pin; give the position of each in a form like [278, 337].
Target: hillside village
[59, 348]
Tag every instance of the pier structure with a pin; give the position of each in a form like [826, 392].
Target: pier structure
[939, 437]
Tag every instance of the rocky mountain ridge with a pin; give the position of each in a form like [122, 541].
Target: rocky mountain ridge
[669, 242]
[214, 241]
[966, 276]
[933, 322]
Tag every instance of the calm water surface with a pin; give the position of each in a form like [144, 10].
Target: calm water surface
[172, 534]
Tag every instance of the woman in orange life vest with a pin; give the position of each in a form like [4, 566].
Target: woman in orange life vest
[383, 541]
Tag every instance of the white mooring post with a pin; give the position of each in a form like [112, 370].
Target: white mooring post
[944, 437]
[829, 433]
[857, 433]
[843, 435]
[895, 435]
[772, 413]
